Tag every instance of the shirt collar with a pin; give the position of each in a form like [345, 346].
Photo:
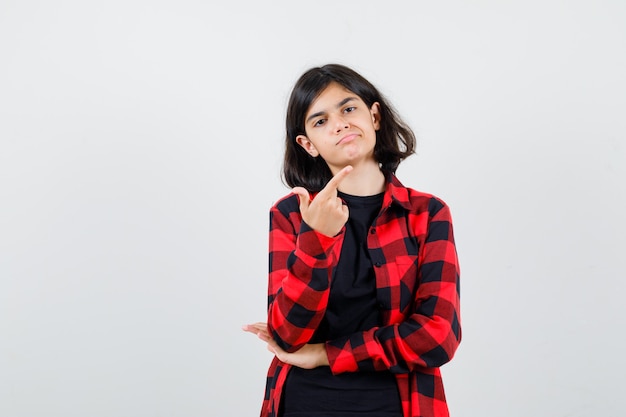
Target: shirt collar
[396, 193]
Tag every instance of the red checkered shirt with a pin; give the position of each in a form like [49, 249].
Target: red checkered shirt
[412, 249]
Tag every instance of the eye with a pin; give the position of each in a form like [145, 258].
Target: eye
[319, 122]
[349, 109]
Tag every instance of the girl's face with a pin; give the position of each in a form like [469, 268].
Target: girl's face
[340, 128]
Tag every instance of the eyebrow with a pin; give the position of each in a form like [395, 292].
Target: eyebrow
[320, 113]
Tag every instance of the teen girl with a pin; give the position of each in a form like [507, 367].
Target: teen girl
[363, 302]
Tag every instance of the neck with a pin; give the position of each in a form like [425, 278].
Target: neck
[364, 180]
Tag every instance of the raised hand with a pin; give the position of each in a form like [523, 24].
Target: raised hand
[326, 213]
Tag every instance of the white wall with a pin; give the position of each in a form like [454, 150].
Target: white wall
[140, 151]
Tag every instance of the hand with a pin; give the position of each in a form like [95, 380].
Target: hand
[259, 329]
[326, 213]
[308, 356]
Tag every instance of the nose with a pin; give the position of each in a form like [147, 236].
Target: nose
[341, 124]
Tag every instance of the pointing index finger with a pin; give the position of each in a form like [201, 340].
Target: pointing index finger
[336, 180]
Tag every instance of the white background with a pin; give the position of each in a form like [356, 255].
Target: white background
[141, 144]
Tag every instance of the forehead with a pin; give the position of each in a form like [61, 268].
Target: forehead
[330, 97]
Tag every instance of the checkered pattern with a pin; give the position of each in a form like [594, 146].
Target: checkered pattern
[411, 245]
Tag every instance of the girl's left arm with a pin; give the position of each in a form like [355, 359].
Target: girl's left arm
[429, 336]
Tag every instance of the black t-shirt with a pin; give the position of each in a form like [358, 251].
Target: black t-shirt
[352, 307]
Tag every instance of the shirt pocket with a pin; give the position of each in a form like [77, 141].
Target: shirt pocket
[397, 298]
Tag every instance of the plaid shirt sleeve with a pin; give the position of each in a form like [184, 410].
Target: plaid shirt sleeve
[301, 262]
[422, 321]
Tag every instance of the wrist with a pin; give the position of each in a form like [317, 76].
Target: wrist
[323, 355]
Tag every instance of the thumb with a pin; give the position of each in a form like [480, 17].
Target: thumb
[303, 196]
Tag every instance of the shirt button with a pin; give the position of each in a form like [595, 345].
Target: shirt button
[378, 264]
[373, 231]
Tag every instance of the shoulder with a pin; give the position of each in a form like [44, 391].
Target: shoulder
[425, 201]
[286, 205]
[416, 201]
[284, 215]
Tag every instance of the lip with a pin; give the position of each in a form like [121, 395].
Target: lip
[347, 138]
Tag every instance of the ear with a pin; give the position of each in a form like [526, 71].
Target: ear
[307, 145]
[375, 112]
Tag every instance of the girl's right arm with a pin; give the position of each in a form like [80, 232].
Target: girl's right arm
[301, 262]
[305, 242]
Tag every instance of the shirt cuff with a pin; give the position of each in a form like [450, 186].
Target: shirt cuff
[340, 360]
